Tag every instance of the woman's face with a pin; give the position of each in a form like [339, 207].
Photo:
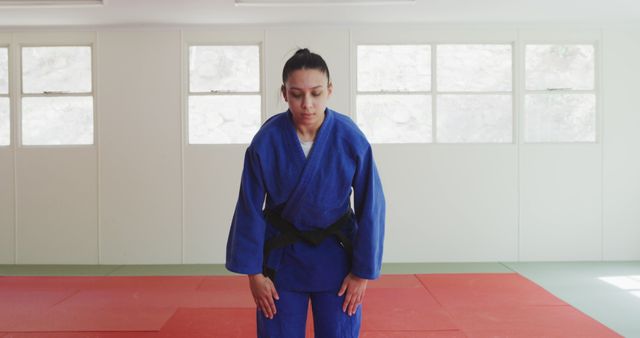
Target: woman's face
[307, 91]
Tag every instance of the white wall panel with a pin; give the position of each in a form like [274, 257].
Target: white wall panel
[212, 182]
[7, 205]
[212, 172]
[140, 145]
[622, 143]
[7, 224]
[449, 203]
[57, 206]
[561, 202]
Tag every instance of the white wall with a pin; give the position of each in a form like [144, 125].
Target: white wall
[140, 146]
[7, 198]
[621, 163]
[142, 195]
[7, 221]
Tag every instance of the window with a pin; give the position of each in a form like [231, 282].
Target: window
[474, 94]
[560, 97]
[5, 120]
[393, 101]
[57, 96]
[224, 94]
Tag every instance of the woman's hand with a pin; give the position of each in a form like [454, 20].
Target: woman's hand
[264, 292]
[355, 288]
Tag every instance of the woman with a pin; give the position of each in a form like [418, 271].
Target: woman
[308, 243]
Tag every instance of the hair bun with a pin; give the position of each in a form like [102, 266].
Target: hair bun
[303, 51]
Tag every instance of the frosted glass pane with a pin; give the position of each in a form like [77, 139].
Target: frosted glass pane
[223, 119]
[560, 67]
[395, 118]
[560, 118]
[394, 68]
[4, 71]
[475, 118]
[65, 69]
[473, 68]
[5, 122]
[57, 120]
[224, 68]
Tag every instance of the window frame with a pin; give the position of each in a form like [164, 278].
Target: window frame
[596, 91]
[512, 93]
[225, 36]
[189, 93]
[434, 92]
[54, 40]
[518, 36]
[429, 93]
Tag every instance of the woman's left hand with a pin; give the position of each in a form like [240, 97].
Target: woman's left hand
[355, 287]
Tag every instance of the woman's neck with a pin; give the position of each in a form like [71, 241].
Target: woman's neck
[306, 132]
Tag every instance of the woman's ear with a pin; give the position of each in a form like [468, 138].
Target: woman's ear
[283, 90]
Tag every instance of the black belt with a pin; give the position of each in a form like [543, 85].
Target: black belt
[289, 234]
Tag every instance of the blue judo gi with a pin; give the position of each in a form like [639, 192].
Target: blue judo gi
[310, 193]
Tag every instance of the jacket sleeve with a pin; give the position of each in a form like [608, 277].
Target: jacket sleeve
[369, 205]
[246, 235]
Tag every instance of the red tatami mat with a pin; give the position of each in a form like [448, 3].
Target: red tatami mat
[91, 310]
[403, 309]
[395, 281]
[534, 321]
[231, 291]
[114, 334]
[22, 305]
[412, 334]
[508, 305]
[402, 306]
[486, 290]
[210, 322]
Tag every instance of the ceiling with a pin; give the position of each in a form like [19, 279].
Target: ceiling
[207, 12]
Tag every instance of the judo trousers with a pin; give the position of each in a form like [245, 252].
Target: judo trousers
[291, 315]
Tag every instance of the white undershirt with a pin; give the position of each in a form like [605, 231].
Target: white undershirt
[306, 147]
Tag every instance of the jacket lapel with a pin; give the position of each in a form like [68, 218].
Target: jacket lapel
[296, 201]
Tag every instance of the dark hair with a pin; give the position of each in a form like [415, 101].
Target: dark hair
[304, 59]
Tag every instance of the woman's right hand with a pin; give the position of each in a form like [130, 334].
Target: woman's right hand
[264, 292]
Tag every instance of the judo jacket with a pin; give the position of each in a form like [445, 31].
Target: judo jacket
[310, 193]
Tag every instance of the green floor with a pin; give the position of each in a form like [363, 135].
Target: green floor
[577, 283]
